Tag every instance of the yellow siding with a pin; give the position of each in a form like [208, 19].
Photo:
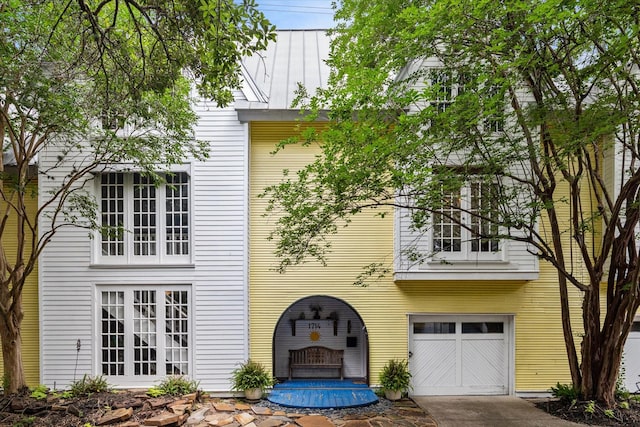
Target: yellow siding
[540, 357]
[30, 328]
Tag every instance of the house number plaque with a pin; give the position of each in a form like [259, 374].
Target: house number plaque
[313, 325]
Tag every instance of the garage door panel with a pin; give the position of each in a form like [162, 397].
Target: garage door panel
[631, 359]
[483, 364]
[435, 364]
[470, 356]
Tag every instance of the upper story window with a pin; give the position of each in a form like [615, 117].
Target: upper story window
[464, 229]
[495, 107]
[447, 85]
[444, 90]
[144, 222]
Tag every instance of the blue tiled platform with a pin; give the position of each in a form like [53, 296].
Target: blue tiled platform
[322, 394]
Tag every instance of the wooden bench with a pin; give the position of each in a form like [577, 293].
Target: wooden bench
[316, 357]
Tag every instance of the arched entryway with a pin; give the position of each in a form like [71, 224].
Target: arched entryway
[324, 321]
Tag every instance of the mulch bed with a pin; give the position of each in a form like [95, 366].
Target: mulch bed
[593, 414]
[22, 410]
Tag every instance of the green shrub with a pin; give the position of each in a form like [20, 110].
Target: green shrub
[621, 392]
[88, 385]
[66, 394]
[591, 407]
[25, 421]
[395, 375]
[174, 386]
[251, 375]
[565, 392]
[40, 393]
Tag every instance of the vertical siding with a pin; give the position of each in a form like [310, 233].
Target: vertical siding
[217, 277]
[30, 337]
[540, 358]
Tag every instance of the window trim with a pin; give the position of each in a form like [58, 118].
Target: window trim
[160, 259]
[129, 379]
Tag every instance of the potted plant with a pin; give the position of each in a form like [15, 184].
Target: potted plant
[395, 378]
[251, 378]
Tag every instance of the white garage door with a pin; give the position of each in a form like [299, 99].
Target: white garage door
[457, 355]
[631, 359]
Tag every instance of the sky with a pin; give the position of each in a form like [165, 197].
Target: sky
[298, 14]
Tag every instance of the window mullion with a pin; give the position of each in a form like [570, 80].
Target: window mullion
[128, 217]
[466, 219]
[128, 333]
[161, 326]
[161, 229]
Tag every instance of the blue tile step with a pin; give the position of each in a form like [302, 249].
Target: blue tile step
[322, 394]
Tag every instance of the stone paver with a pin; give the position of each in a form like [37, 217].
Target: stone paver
[117, 416]
[314, 421]
[224, 407]
[261, 410]
[357, 423]
[271, 422]
[162, 419]
[244, 418]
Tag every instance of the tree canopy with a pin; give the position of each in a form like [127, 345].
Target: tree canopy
[100, 82]
[538, 99]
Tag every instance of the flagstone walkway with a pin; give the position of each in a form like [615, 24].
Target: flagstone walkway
[237, 413]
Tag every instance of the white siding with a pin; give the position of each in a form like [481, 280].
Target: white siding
[217, 277]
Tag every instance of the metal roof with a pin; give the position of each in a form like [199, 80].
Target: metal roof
[272, 76]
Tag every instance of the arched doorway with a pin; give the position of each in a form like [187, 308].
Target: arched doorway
[325, 321]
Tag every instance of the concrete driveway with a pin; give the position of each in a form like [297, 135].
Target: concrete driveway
[487, 411]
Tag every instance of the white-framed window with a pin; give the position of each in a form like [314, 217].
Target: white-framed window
[442, 82]
[143, 222]
[464, 227]
[495, 104]
[144, 332]
[447, 85]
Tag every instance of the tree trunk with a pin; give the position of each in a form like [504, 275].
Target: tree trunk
[14, 378]
[565, 308]
[603, 344]
[600, 370]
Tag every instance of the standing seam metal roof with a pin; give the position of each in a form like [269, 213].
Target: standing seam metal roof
[297, 56]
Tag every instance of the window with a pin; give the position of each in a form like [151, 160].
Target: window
[495, 108]
[434, 328]
[447, 85]
[464, 227]
[143, 222]
[482, 327]
[441, 81]
[144, 332]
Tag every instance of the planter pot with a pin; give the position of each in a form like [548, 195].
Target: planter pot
[253, 394]
[393, 394]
